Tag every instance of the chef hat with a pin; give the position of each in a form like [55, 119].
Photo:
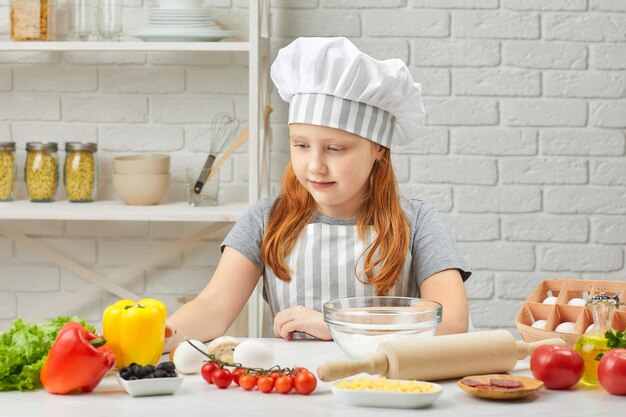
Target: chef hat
[329, 82]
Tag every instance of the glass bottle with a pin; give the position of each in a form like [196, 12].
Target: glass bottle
[593, 342]
[7, 171]
[41, 171]
[80, 171]
[32, 20]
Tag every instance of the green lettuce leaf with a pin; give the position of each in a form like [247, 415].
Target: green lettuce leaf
[23, 351]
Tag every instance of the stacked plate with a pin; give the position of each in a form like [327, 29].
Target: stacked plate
[188, 25]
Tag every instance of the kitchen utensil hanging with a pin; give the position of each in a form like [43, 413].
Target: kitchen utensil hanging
[223, 129]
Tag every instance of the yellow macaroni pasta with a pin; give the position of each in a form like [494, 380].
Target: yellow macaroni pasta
[41, 176]
[383, 384]
[80, 176]
[7, 174]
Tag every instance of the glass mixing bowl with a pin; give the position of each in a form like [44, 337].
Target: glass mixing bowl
[359, 324]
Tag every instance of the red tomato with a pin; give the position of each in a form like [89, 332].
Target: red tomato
[558, 367]
[275, 375]
[305, 382]
[247, 381]
[237, 373]
[265, 384]
[207, 371]
[296, 371]
[222, 378]
[612, 371]
[284, 384]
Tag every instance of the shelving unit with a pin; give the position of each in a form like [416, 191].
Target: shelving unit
[224, 46]
[257, 47]
[118, 211]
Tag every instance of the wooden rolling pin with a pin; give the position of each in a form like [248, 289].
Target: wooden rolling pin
[439, 357]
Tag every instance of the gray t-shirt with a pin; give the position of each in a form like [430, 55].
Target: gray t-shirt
[432, 249]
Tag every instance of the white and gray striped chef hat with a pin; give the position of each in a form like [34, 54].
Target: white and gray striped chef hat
[330, 82]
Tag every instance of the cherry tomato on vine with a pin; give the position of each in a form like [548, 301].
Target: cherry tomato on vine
[275, 375]
[296, 371]
[207, 371]
[265, 384]
[222, 378]
[284, 384]
[305, 382]
[247, 381]
[237, 373]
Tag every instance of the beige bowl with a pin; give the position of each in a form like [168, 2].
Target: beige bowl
[141, 190]
[141, 164]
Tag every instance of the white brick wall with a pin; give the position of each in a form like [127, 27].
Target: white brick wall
[523, 151]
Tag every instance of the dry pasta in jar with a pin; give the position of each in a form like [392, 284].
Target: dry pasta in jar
[32, 20]
[41, 171]
[80, 171]
[7, 170]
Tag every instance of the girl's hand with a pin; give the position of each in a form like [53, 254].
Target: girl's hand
[300, 319]
[172, 339]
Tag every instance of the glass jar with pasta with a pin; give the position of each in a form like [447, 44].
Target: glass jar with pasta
[32, 20]
[41, 171]
[80, 171]
[7, 170]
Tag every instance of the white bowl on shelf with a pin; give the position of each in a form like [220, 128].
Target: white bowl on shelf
[180, 4]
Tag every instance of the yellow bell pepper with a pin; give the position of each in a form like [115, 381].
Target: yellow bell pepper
[135, 331]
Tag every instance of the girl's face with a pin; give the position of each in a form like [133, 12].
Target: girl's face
[334, 166]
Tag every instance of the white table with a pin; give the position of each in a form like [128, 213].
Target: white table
[197, 398]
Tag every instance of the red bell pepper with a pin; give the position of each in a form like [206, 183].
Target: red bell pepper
[77, 360]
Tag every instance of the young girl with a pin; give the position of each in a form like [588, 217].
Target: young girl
[338, 228]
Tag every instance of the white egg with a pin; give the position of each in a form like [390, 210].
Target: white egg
[550, 300]
[187, 359]
[588, 327]
[254, 354]
[577, 302]
[539, 324]
[565, 327]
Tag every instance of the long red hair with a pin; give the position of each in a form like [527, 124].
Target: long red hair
[381, 209]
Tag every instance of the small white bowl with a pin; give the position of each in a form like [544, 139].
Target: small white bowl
[387, 399]
[152, 386]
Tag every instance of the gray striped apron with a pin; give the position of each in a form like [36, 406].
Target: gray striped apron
[322, 265]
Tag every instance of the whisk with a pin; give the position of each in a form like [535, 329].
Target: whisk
[223, 128]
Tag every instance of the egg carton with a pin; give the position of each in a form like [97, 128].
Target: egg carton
[552, 301]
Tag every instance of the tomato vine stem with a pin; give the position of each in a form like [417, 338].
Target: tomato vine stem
[262, 371]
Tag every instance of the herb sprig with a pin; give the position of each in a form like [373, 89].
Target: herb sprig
[613, 340]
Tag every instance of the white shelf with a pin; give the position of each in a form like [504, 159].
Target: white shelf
[257, 46]
[125, 46]
[118, 211]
